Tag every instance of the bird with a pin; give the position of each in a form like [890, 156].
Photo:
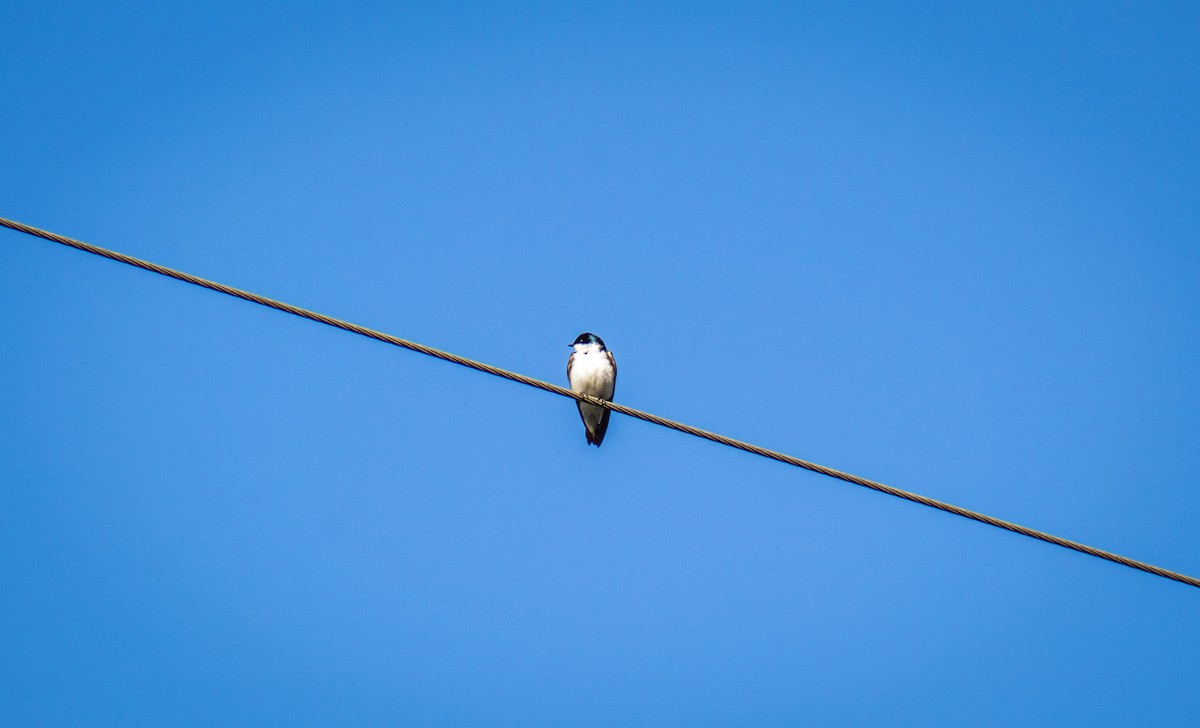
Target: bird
[592, 370]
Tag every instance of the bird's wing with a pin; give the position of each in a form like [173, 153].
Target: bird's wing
[612, 361]
[598, 436]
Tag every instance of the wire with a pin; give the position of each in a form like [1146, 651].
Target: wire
[646, 416]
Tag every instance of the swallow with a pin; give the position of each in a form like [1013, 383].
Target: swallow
[592, 370]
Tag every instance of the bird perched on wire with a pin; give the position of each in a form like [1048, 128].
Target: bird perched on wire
[592, 370]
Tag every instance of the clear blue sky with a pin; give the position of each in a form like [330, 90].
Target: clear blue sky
[955, 250]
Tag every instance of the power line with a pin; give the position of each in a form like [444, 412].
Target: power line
[646, 416]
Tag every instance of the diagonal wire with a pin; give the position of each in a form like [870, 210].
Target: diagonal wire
[646, 416]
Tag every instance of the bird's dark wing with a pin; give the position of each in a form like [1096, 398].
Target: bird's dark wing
[598, 436]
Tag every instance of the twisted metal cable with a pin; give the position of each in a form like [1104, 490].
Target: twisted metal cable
[563, 391]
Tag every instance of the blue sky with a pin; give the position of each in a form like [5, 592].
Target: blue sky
[950, 248]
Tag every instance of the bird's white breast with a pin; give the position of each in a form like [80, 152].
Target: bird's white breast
[592, 372]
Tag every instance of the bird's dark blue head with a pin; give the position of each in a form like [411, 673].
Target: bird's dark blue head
[586, 338]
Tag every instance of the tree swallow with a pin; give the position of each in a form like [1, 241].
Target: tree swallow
[592, 370]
